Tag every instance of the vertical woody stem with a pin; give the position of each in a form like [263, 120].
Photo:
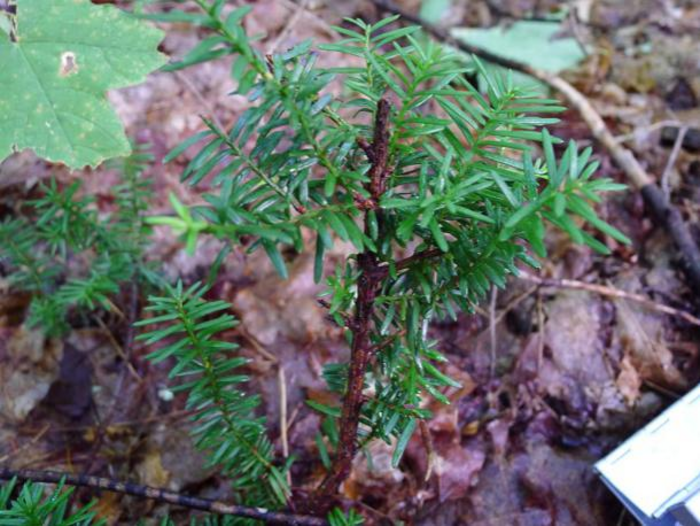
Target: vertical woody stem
[368, 286]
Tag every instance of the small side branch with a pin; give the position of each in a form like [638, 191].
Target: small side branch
[161, 495]
[380, 150]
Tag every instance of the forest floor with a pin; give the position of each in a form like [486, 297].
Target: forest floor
[553, 375]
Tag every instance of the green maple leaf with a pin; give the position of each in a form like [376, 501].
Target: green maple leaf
[534, 43]
[56, 64]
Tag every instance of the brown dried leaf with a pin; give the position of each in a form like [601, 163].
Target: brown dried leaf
[641, 336]
[576, 362]
[150, 470]
[457, 469]
[628, 381]
[30, 364]
[380, 474]
[71, 393]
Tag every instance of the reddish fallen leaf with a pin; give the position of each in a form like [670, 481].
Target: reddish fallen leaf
[642, 339]
[457, 469]
[628, 381]
[30, 364]
[500, 432]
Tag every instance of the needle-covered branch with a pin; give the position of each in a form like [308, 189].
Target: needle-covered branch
[662, 211]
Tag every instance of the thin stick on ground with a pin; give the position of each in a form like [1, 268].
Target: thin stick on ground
[26, 445]
[173, 416]
[665, 215]
[161, 495]
[648, 129]
[201, 99]
[492, 330]
[671, 163]
[515, 302]
[282, 382]
[427, 439]
[611, 293]
[541, 332]
[257, 346]
[315, 20]
[118, 348]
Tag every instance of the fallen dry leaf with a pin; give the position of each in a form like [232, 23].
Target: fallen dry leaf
[379, 473]
[628, 381]
[574, 362]
[71, 392]
[642, 339]
[29, 365]
[150, 470]
[457, 469]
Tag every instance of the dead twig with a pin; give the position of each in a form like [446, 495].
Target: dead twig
[665, 184]
[23, 447]
[161, 495]
[515, 302]
[427, 439]
[611, 293]
[118, 348]
[257, 346]
[315, 19]
[346, 318]
[492, 330]
[201, 99]
[125, 424]
[282, 382]
[648, 129]
[665, 215]
[292, 418]
[541, 334]
[662, 390]
[575, 23]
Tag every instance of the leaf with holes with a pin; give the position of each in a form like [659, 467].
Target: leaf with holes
[57, 61]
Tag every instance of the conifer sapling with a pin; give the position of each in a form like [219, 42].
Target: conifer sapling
[430, 179]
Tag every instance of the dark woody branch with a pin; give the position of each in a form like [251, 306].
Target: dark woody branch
[161, 495]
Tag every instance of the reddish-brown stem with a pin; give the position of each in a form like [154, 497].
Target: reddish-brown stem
[369, 284]
[366, 147]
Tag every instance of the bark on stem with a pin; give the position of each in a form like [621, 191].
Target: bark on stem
[362, 349]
